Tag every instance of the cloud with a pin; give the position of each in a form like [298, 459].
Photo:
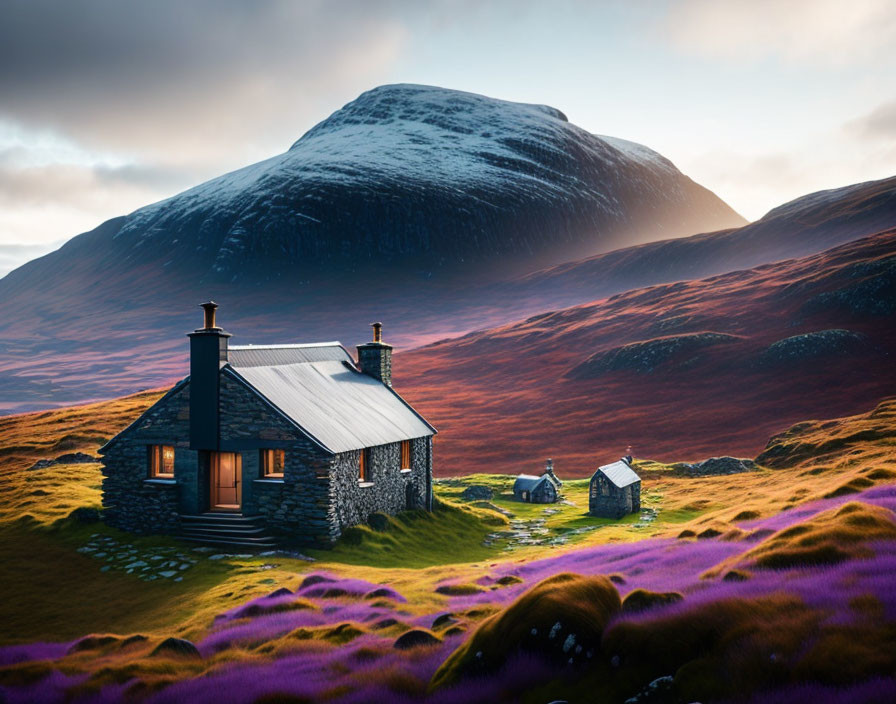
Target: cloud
[113, 74]
[830, 32]
[877, 125]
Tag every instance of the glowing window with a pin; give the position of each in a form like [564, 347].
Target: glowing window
[161, 461]
[272, 462]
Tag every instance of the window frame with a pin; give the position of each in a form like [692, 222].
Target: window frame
[364, 469]
[158, 461]
[406, 456]
[267, 458]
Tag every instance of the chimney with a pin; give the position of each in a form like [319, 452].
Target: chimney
[208, 353]
[375, 358]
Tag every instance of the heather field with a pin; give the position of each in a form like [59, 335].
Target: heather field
[775, 585]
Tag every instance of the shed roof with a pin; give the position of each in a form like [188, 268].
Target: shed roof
[528, 482]
[318, 388]
[619, 473]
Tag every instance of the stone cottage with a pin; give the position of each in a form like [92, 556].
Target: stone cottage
[270, 444]
[538, 490]
[615, 490]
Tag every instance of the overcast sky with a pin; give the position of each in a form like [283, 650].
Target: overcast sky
[107, 105]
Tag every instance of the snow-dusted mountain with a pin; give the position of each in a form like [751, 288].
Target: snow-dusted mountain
[424, 176]
[402, 206]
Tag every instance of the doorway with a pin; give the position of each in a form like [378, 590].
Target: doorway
[226, 479]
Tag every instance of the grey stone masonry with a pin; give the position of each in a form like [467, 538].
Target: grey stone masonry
[133, 501]
[607, 500]
[390, 488]
[319, 495]
[375, 359]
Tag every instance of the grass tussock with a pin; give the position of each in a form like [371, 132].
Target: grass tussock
[559, 618]
[827, 538]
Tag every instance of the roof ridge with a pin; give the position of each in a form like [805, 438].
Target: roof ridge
[288, 346]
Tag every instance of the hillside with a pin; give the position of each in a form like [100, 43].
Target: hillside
[91, 344]
[675, 370]
[715, 564]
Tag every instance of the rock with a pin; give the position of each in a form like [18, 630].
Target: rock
[85, 514]
[178, 647]
[715, 466]
[167, 574]
[660, 691]
[477, 492]
[415, 638]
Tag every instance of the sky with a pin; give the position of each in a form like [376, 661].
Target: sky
[108, 105]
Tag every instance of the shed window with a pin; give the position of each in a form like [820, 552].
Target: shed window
[406, 456]
[604, 487]
[272, 461]
[161, 461]
[364, 466]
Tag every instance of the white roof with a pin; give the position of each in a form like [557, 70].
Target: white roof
[619, 473]
[339, 407]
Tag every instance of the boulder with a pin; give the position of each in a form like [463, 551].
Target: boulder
[477, 492]
[715, 466]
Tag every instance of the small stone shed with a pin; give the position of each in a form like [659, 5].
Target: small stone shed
[538, 490]
[615, 490]
[270, 444]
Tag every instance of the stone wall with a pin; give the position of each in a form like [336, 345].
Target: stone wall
[607, 500]
[133, 501]
[390, 489]
[318, 497]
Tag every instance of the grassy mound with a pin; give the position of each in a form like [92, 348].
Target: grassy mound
[644, 599]
[825, 539]
[561, 619]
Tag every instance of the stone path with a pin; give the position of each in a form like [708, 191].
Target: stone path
[145, 563]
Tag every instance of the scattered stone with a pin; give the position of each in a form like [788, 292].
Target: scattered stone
[415, 638]
[68, 458]
[282, 591]
[508, 579]
[167, 574]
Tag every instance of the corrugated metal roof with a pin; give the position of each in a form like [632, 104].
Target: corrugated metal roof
[274, 355]
[338, 406]
[527, 482]
[619, 473]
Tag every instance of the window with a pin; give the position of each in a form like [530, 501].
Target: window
[161, 461]
[364, 466]
[272, 462]
[406, 456]
[604, 487]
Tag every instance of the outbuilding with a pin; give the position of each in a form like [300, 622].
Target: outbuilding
[615, 490]
[544, 489]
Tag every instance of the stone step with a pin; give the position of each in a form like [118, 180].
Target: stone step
[266, 543]
[225, 532]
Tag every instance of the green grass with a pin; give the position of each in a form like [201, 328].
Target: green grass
[450, 534]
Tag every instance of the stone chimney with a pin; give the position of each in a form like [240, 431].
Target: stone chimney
[375, 358]
[208, 353]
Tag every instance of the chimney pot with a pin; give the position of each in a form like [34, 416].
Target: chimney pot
[377, 332]
[209, 309]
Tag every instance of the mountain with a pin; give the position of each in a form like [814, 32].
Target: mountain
[806, 225]
[677, 370]
[398, 206]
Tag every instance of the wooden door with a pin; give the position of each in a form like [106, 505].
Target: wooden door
[226, 476]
